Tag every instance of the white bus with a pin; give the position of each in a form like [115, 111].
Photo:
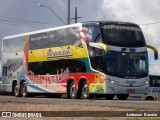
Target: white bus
[154, 88]
[81, 60]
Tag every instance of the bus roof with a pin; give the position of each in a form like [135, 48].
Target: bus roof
[120, 22]
[43, 30]
[66, 26]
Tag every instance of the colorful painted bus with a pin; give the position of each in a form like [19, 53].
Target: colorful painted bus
[81, 60]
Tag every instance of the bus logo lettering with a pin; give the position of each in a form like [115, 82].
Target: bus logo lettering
[48, 79]
[42, 36]
[60, 53]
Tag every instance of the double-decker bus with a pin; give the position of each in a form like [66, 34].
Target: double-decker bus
[81, 60]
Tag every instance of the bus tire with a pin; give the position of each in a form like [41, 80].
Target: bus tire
[109, 96]
[85, 91]
[122, 96]
[73, 93]
[149, 98]
[24, 89]
[16, 90]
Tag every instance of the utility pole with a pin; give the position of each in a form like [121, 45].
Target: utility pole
[75, 14]
[76, 17]
[68, 19]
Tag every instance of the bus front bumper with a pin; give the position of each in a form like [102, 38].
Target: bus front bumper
[122, 88]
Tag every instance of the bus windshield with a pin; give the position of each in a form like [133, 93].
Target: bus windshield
[122, 35]
[127, 64]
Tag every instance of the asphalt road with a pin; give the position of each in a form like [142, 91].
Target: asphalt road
[128, 104]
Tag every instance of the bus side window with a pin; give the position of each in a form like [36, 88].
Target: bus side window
[95, 33]
[154, 81]
[4, 70]
[158, 83]
[96, 37]
[97, 58]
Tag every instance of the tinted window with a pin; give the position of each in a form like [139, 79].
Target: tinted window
[155, 81]
[13, 45]
[122, 35]
[55, 38]
[96, 37]
[96, 56]
[92, 33]
[127, 64]
[56, 67]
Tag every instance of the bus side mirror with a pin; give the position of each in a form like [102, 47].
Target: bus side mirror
[155, 51]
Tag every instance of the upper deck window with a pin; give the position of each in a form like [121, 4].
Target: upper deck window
[61, 37]
[13, 45]
[126, 35]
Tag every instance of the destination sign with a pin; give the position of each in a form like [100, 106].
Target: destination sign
[121, 27]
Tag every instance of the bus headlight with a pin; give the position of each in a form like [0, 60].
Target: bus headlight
[146, 82]
[112, 82]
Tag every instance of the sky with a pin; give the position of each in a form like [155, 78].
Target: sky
[20, 16]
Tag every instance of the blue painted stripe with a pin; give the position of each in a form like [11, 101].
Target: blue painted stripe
[37, 88]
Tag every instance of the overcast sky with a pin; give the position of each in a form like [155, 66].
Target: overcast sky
[19, 16]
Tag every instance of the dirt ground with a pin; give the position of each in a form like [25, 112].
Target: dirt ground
[54, 107]
[15, 106]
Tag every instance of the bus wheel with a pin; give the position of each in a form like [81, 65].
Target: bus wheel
[149, 98]
[109, 96]
[85, 91]
[24, 89]
[16, 90]
[122, 96]
[73, 93]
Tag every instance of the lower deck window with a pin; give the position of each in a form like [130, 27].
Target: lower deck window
[56, 67]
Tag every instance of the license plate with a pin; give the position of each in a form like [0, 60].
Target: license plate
[130, 91]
